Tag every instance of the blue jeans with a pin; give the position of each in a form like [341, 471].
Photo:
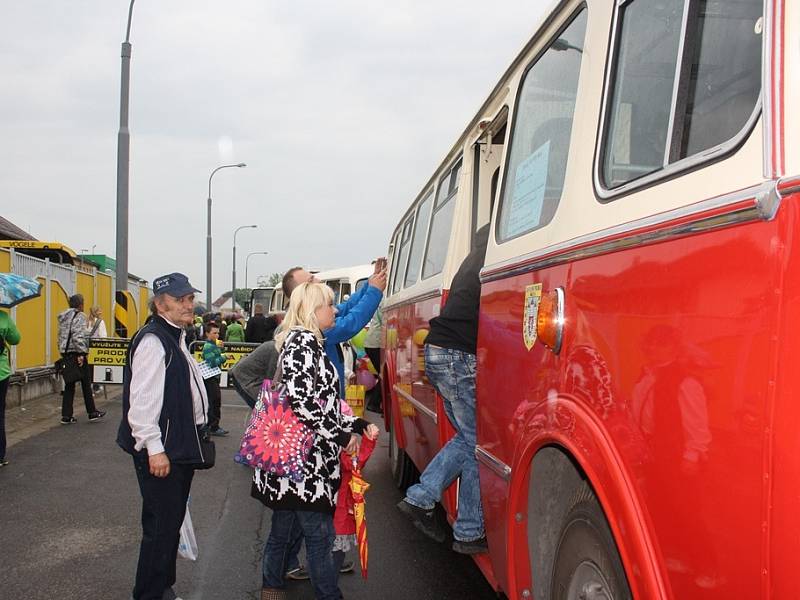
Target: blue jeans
[452, 373]
[318, 534]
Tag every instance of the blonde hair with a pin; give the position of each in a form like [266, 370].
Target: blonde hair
[94, 314]
[305, 300]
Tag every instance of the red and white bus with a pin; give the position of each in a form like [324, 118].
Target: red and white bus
[640, 311]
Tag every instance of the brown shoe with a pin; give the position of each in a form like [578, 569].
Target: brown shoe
[272, 594]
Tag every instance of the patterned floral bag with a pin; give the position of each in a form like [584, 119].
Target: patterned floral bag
[275, 440]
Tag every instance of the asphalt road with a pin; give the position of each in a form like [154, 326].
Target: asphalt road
[69, 526]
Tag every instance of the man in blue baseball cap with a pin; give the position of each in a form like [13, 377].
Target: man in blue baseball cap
[164, 413]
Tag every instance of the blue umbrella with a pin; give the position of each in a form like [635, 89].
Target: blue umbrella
[16, 288]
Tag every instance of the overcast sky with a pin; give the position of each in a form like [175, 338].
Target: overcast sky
[341, 110]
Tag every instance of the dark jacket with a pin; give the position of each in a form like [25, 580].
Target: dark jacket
[252, 369]
[177, 422]
[260, 329]
[456, 327]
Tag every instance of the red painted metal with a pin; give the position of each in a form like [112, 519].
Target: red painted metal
[684, 332]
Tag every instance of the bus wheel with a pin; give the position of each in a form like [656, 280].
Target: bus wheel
[402, 469]
[587, 564]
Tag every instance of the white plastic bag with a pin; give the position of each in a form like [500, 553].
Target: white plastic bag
[187, 547]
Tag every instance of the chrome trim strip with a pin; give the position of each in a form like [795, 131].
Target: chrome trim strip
[766, 202]
[417, 404]
[676, 82]
[559, 319]
[497, 466]
[413, 299]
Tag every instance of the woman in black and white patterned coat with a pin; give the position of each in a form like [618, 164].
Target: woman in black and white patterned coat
[313, 389]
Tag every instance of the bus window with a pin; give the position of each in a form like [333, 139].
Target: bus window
[667, 106]
[361, 283]
[486, 172]
[260, 296]
[540, 135]
[442, 222]
[393, 250]
[402, 256]
[418, 241]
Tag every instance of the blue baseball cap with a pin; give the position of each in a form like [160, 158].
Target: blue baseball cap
[175, 284]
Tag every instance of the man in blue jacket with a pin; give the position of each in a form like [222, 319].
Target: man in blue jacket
[351, 316]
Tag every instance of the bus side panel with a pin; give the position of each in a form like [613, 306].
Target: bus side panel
[670, 345]
[422, 432]
[511, 382]
[406, 328]
[785, 459]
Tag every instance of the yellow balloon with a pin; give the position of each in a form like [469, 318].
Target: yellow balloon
[419, 336]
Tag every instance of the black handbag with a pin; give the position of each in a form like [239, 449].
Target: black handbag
[69, 369]
[67, 366]
[208, 448]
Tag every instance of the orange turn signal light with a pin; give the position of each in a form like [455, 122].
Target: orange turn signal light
[550, 320]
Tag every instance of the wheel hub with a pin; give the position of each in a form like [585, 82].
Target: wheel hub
[588, 583]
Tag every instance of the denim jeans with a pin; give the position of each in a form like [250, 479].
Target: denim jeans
[452, 373]
[318, 534]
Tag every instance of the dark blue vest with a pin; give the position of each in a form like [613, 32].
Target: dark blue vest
[178, 430]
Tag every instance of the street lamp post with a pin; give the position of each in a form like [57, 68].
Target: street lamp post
[208, 235]
[123, 162]
[233, 289]
[247, 260]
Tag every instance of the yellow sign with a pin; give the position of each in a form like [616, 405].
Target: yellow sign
[108, 352]
[234, 351]
[533, 296]
[35, 245]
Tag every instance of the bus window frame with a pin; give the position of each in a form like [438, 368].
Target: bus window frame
[425, 238]
[680, 167]
[568, 20]
[446, 175]
[409, 222]
[498, 123]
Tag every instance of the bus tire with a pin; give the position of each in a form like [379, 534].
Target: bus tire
[402, 469]
[587, 563]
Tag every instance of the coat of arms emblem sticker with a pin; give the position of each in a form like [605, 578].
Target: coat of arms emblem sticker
[533, 296]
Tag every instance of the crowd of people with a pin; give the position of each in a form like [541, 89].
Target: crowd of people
[168, 417]
[171, 407]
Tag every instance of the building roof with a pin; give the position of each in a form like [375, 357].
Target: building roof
[9, 231]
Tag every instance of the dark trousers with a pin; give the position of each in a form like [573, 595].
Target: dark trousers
[375, 395]
[86, 388]
[163, 509]
[214, 402]
[3, 392]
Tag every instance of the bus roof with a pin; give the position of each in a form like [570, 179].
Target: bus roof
[351, 274]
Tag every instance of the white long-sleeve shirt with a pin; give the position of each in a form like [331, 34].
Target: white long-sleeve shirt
[148, 373]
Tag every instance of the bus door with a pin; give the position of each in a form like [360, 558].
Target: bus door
[517, 374]
[416, 400]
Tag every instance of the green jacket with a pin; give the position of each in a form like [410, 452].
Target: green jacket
[213, 355]
[9, 334]
[234, 333]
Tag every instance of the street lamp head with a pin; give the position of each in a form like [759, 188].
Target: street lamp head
[253, 226]
[241, 165]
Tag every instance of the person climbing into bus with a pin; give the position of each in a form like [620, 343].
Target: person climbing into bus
[450, 350]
